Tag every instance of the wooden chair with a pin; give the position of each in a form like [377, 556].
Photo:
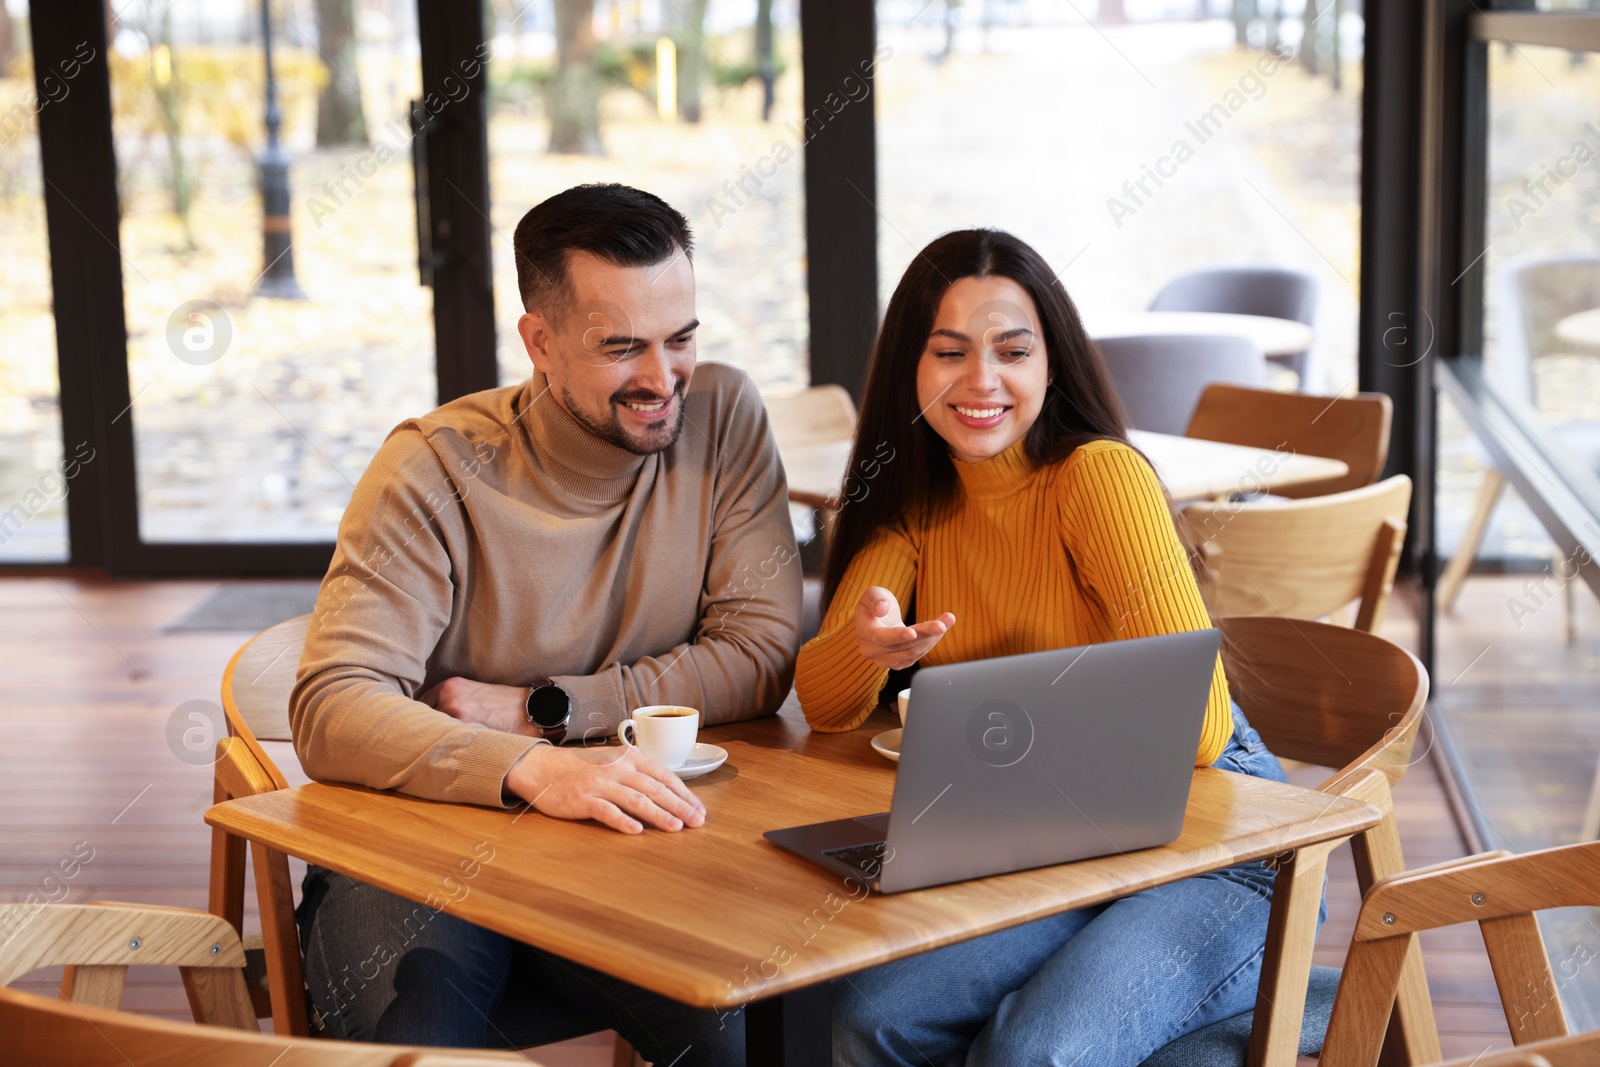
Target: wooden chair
[1351, 701]
[1304, 558]
[98, 942]
[256, 686]
[1500, 892]
[821, 414]
[255, 700]
[1353, 429]
[1535, 292]
[804, 424]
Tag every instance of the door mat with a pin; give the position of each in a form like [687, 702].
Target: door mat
[248, 606]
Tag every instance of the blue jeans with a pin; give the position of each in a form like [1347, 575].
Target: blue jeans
[1104, 986]
[383, 968]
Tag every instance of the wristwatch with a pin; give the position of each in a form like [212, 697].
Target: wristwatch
[549, 710]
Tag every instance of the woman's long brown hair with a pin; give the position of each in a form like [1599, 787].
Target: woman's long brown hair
[1081, 404]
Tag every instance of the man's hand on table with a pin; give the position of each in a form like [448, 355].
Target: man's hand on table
[621, 787]
[616, 786]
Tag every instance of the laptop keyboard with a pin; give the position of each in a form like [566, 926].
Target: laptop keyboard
[868, 859]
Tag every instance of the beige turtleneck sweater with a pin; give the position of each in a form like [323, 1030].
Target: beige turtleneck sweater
[497, 539]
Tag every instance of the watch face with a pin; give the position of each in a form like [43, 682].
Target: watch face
[548, 707]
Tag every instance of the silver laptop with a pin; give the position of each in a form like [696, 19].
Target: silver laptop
[1026, 761]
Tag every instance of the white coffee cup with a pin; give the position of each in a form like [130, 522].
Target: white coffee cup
[905, 702]
[664, 732]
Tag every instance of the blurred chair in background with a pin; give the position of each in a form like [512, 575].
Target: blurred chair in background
[1535, 292]
[1272, 291]
[811, 429]
[1354, 429]
[819, 415]
[1160, 378]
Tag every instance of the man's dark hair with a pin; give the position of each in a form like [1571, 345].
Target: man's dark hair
[620, 224]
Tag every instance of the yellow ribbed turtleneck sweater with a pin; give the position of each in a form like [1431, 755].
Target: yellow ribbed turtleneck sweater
[1027, 559]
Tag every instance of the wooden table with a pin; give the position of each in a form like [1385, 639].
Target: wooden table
[1191, 469]
[1274, 336]
[1581, 329]
[719, 917]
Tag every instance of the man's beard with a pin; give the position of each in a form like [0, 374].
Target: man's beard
[657, 440]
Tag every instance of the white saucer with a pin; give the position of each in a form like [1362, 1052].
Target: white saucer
[888, 744]
[703, 759]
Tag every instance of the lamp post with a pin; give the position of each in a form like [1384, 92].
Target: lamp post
[277, 248]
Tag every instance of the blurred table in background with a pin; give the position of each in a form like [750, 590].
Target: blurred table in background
[1191, 469]
[1275, 337]
[1582, 328]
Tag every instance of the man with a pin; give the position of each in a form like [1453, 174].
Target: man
[516, 572]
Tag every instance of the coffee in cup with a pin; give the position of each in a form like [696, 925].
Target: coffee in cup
[664, 732]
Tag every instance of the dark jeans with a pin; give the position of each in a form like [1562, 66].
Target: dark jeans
[383, 968]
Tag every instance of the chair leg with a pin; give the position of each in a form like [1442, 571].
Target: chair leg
[1571, 597]
[1591, 814]
[281, 941]
[1455, 572]
[1413, 1033]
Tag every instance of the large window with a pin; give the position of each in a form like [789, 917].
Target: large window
[35, 476]
[1518, 632]
[1129, 151]
[669, 98]
[259, 398]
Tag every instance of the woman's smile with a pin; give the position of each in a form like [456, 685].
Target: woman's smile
[981, 416]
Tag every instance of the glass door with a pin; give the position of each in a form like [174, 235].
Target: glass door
[35, 470]
[294, 183]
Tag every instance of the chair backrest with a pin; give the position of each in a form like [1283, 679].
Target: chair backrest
[1353, 429]
[257, 683]
[1160, 377]
[1536, 292]
[1352, 701]
[1324, 694]
[1500, 892]
[1275, 291]
[41, 1030]
[1304, 558]
[818, 415]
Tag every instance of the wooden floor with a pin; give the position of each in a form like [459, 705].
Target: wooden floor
[93, 697]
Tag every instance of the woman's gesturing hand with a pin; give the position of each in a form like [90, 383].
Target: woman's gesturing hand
[884, 637]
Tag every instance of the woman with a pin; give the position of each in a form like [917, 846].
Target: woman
[1007, 505]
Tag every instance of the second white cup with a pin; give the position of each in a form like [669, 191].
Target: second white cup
[664, 732]
[905, 702]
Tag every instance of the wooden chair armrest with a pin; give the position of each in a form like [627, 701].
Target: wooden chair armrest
[1480, 888]
[109, 934]
[1450, 865]
[1365, 784]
